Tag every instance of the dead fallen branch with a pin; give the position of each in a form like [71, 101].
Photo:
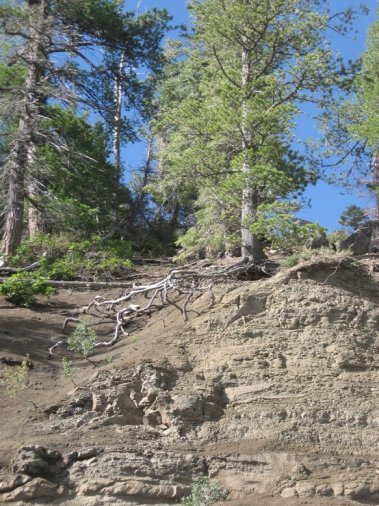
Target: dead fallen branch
[84, 284]
[184, 284]
[89, 284]
[151, 261]
[8, 271]
[59, 343]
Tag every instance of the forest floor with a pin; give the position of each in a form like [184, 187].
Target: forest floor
[248, 364]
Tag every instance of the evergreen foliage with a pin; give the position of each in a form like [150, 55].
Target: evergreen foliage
[84, 192]
[276, 223]
[350, 144]
[227, 107]
[352, 217]
[367, 127]
[78, 80]
[66, 51]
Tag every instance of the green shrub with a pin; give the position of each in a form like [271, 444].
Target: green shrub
[64, 268]
[338, 235]
[82, 340]
[21, 289]
[204, 493]
[111, 265]
[47, 246]
[116, 248]
[66, 364]
[296, 258]
[63, 258]
[16, 377]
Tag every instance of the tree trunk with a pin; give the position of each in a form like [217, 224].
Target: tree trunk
[18, 165]
[173, 223]
[140, 201]
[117, 115]
[36, 218]
[375, 183]
[36, 182]
[250, 245]
[14, 210]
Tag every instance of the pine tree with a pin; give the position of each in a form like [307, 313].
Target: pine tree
[352, 217]
[84, 192]
[228, 104]
[350, 141]
[59, 44]
[367, 128]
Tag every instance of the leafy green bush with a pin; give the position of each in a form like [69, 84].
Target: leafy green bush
[47, 246]
[62, 258]
[21, 289]
[82, 340]
[115, 248]
[204, 493]
[65, 268]
[110, 265]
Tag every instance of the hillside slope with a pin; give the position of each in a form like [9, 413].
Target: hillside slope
[273, 393]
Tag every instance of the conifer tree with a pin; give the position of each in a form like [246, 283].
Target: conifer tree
[62, 45]
[352, 217]
[228, 103]
[367, 127]
[350, 126]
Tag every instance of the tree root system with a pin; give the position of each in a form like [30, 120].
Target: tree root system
[183, 284]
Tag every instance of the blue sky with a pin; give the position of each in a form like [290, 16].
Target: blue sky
[327, 202]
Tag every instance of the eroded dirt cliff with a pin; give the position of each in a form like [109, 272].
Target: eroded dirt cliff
[273, 392]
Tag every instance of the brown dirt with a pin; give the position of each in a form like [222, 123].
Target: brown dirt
[218, 345]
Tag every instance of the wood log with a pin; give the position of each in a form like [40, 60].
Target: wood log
[14, 270]
[84, 284]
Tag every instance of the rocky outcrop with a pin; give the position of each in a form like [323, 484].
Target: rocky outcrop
[321, 241]
[38, 462]
[364, 240]
[113, 473]
[135, 397]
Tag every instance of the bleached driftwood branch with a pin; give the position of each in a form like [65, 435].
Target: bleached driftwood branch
[183, 282]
